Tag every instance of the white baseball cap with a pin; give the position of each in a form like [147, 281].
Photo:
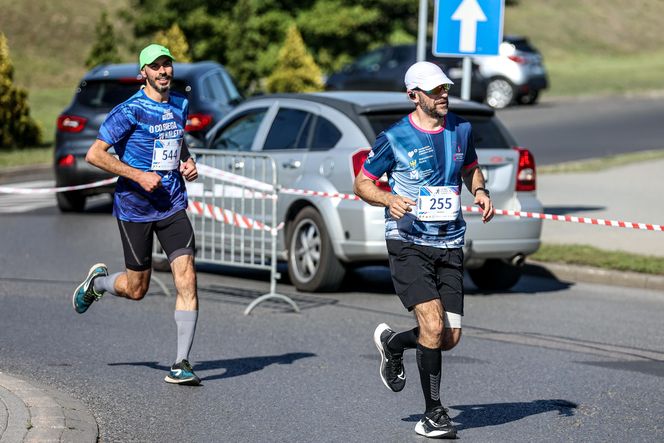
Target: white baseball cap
[425, 76]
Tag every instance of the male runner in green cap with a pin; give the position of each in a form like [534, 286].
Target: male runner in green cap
[147, 133]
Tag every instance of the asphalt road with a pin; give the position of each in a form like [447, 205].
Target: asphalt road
[558, 130]
[548, 361]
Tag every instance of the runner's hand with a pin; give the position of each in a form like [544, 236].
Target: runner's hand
[484, 201]
[150, 181]
[188, 170]
[399, 205]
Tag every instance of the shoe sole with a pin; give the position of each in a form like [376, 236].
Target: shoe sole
[376, 337]
[73, 297]
[434, 434]
[187, 382]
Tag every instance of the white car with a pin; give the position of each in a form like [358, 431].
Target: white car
[516, 75]
[319, 142]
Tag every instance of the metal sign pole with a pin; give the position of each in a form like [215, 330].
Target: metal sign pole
[467, 72]
[422, 31]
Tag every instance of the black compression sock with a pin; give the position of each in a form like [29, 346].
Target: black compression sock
[429, 362]
[403, 340]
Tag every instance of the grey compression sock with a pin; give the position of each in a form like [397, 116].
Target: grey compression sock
[186, 324]
[106, 284]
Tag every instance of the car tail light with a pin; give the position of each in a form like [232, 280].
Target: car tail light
[71, 123]
[358, 161]
[526, 173]
[67, 160]
[518, 59]
[197, 122]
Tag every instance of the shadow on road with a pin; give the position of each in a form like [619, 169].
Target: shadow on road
[564, 210]
[234, 367]
[494, 414]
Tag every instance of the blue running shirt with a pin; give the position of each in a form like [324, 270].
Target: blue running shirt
[413, 157]
[132, 128]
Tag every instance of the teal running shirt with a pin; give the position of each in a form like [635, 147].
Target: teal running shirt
[415, 160]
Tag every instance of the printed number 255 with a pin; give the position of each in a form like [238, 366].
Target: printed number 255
[441, 203]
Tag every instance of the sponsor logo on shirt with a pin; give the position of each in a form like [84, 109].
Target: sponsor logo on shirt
[167, 115]
[415, 175]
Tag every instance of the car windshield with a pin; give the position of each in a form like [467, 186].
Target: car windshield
[487, 132]
[108, 93]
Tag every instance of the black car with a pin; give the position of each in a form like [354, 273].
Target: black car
[383, 69]
[209, 88]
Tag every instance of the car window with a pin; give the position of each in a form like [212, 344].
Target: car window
[239, 134]
[105, 94]
[370, 61]
[108, 93]
[233, 94]
[213, 89]
[401, 55]
[326, 135]
[487, 132]
[290, 130]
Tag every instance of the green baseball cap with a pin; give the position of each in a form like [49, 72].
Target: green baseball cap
[151, 53]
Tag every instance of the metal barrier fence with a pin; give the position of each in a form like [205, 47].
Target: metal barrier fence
[233, 210]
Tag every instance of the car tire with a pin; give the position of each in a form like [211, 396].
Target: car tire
[312, 265]
[530, 98]
[70, 201]
[495, 275]
[499, 93]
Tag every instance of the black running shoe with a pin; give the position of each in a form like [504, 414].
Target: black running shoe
[436, 424]
[182, 374]
[391, 364]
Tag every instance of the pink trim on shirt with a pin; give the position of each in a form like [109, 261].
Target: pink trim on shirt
[470, 166]
[368, 174]
[437, 131]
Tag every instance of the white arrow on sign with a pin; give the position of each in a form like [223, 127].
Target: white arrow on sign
[468, 13]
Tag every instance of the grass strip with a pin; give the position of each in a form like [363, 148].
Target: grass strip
[590, 256]
[599, 164]
[26, 157]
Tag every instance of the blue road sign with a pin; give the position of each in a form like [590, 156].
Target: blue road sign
[468, 27]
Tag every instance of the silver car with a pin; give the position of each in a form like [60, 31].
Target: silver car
[320, 141]
[516, 75]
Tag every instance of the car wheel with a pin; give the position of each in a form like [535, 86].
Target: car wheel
[495, 275]
[499, 93]
[530, 98]
[70, 201]
[312, 265]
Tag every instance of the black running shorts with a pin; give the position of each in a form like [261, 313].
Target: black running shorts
[423, 273]
[175, 235]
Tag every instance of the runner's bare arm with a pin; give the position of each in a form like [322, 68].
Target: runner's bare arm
[474, 179]
[99, 156]
[365, 188]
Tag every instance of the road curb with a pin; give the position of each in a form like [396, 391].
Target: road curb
[34, 413]
[587, 274]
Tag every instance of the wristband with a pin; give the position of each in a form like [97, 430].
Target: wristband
[486, 191]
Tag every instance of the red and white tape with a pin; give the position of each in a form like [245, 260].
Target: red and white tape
[15, 190]
[573, 219]
[228, 217]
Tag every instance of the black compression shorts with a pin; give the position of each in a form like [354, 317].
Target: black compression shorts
[175, 235]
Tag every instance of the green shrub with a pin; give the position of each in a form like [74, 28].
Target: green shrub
[296, 70]
[17, 128]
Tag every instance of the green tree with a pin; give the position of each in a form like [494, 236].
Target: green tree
[104, 50]
[175, 40]
[244, 35]
[296, 70]
[17, 128]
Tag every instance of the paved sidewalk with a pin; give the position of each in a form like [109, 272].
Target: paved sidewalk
[625, 193]
[32, 413]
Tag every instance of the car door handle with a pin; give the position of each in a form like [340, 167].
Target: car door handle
[292, 164]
